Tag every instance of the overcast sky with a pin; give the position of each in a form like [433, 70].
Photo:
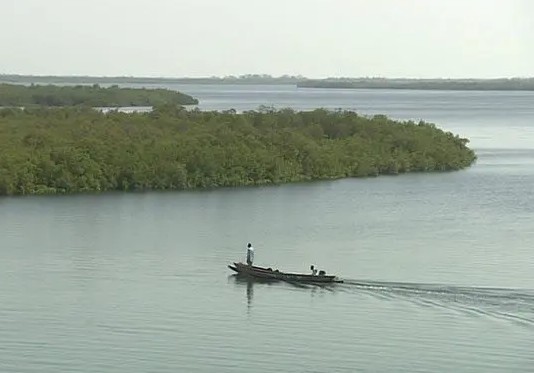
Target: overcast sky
[315, 38]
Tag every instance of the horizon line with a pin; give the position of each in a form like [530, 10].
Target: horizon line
[257, 76]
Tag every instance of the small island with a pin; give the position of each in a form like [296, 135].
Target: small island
[78, 149]
[89, 95]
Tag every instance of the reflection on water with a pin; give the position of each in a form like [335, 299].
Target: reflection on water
[249, 282]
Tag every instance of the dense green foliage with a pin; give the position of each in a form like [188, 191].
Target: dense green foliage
[515, 84]
[45, 150]
[50, 95]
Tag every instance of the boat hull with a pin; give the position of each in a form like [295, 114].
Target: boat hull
[270, 274]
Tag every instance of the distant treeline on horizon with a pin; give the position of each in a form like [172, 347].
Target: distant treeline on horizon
[511, 84]
[242, 79]
[502, 84]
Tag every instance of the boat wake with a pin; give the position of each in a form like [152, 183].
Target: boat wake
[513, 305]
[504, 303]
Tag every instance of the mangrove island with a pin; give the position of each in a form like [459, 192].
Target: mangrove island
[78, 149]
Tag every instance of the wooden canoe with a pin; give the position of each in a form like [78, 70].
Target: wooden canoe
[270, 274]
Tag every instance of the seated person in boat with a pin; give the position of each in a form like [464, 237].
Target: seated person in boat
[250, 254]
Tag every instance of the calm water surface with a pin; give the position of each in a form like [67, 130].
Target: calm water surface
[439, 267]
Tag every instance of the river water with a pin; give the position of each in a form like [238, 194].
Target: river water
[438, 267]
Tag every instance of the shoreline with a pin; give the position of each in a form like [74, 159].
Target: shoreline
[494, 84]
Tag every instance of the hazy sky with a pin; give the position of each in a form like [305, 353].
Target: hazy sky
[315, 38]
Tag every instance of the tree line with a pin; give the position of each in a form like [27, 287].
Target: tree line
[505, 84]
[78, 149]
[229, 79]
[502, 84]
[90, 95]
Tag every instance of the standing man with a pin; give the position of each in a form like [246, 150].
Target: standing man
[250, 254]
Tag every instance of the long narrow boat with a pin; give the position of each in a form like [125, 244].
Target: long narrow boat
[270, 274]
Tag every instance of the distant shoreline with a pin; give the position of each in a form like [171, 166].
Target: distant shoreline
[500, 84]
[514, 84]
[244, 79]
